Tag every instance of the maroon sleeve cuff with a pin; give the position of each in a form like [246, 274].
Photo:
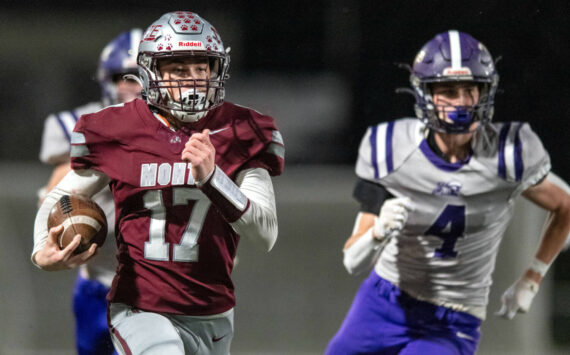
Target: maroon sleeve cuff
[225, 195]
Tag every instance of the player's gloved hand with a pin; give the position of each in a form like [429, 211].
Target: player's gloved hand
[392, 218]
[517, 298]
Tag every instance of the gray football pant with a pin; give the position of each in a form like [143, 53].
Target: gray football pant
[145, 333]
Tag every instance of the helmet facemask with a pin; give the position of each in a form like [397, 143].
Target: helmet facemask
[454, 119]
[196, 96]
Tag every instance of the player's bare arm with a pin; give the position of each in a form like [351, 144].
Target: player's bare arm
[557, 202]
[518, 297]
[364, 222]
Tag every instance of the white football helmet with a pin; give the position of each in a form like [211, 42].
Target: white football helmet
[182, 34]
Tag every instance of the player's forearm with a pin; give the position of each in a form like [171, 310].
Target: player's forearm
[248, 205]
[40, 224]
[552, 242]
[555, 235]
[85, 182]
[361, 255]
[259, 222]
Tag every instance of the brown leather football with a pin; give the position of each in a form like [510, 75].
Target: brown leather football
[79, 215]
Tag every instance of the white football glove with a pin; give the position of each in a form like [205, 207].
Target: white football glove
[517, 298]
[392, 218]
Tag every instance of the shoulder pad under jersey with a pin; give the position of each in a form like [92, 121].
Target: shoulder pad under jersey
[259, 138]
[386, 146]
[521, 157]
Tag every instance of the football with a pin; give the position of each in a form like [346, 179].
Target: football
[79, 215]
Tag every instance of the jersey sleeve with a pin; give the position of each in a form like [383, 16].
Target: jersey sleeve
[522, 158]
[88, 143]
[370, 196]
[386, 146]
[264, 143]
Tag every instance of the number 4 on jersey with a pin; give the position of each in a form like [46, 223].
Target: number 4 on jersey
[449, 226]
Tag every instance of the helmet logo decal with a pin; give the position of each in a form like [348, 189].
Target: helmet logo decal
[186, 23]
[216, 35]
[193, 44]
[457, 71]
[152, 33]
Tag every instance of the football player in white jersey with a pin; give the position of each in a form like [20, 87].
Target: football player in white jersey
[117, 59]
[436, 196]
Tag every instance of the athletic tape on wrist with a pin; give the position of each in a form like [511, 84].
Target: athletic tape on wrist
[225, 195]
[539, 267]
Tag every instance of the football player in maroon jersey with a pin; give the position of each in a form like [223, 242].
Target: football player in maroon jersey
[190, 174]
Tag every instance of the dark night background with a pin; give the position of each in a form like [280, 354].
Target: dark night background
[51, 49]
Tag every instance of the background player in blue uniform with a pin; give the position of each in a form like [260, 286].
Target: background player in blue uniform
[117, 59]
[436, 196]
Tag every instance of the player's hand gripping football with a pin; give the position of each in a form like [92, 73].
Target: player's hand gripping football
[392, 218]
[52, 258]
[201, 153]
[517, 298]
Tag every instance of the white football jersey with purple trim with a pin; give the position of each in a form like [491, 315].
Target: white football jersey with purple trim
[56, 136]
[446, 253]
[56, 143]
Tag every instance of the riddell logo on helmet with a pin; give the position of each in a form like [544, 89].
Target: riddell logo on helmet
[195, 44]
[457, 71]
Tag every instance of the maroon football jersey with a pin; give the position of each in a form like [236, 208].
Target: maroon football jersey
[175, 251]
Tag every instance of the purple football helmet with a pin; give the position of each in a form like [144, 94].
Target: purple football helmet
[119, 57]
[454, 57]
